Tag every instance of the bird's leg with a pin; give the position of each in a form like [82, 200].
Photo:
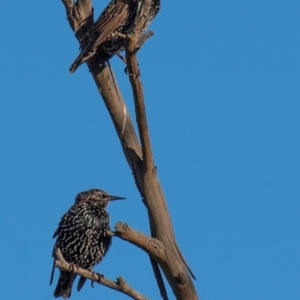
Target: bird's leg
[121, 57]
[124, 60]
[58, 255]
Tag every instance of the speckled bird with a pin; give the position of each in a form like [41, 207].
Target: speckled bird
[82, 237]
[102, 38]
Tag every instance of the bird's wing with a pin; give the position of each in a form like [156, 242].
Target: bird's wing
[52, 273]
[111, 18]
[56, 233]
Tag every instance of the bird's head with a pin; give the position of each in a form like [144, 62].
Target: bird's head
[96, 196]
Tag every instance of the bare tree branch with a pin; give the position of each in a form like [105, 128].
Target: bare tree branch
[139, 102]
[131, 47]
[152, 246]
[159, 279]
[120, 285]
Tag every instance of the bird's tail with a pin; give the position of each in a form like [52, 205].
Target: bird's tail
[64, 285]
[83, 56]
[77, 62]
[81, 282]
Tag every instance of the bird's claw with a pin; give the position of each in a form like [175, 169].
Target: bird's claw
[73, 267]
[100, 276]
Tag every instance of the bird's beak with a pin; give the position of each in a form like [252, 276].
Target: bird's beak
[112, 198]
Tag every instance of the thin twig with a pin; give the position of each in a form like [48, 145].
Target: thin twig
[133, 43]
[143, 39]
[138, 95]
[159, 279]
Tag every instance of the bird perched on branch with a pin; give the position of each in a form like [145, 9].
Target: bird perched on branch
[82, 237]
[103, 39]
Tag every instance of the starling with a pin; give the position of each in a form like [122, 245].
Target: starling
[103, 39]
[82, 237]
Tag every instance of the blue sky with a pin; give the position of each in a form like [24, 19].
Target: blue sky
[221, 81]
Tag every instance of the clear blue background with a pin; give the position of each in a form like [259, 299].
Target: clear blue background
[222, 89]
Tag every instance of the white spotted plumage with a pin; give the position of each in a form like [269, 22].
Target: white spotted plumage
[82, 236]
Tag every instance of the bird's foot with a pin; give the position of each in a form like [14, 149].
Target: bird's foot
[100, 276]
[73, 267]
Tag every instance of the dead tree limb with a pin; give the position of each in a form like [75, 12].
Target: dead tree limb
[119, 285]
[139, 156]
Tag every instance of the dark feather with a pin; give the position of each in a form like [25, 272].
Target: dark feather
[102, 39]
